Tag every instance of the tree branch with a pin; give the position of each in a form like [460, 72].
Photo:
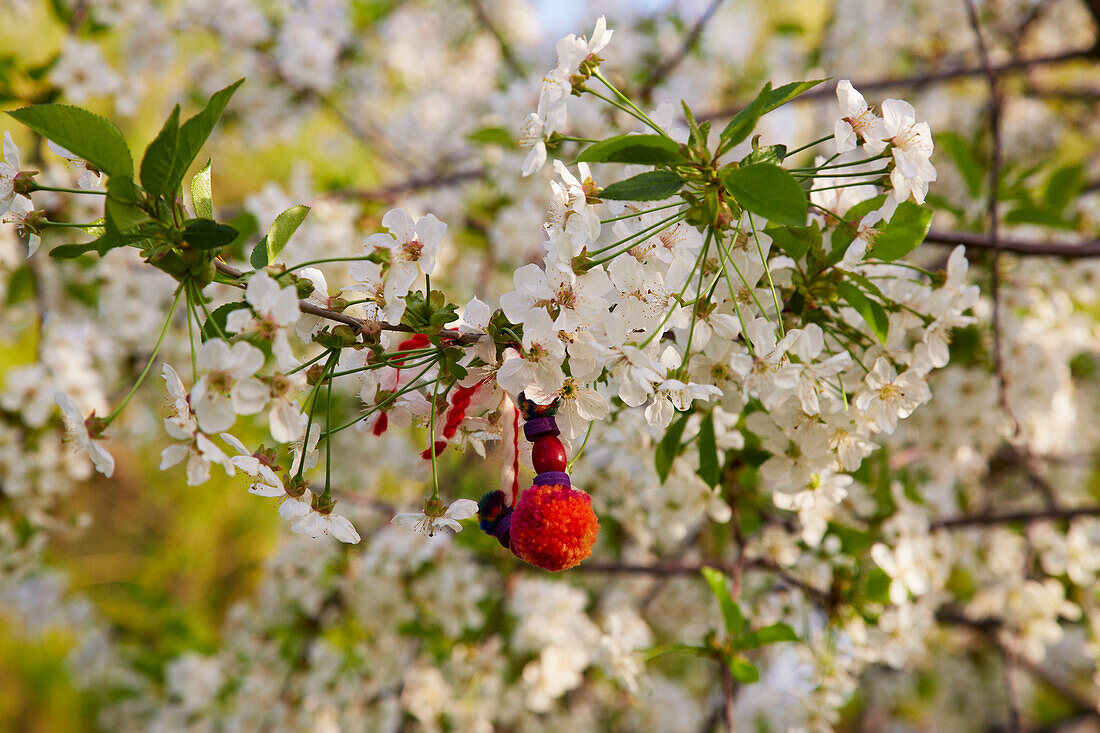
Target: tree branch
[664, 68]
[394, 190]
[1041, 515]
[1024, 247]
[359, 325]
[827, 89]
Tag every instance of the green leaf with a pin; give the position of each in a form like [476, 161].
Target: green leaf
[773, 154]
[845, 232]
[121, 213]
[492, 136]
[69, 251]
[769, 191]
[876, 585]
[160, 157]
[709, 468]
[202, 193]
[871, 311]
[965, 159]
[649, 186]
[219, 317]
[744, 122]
[195, 131]
[767, 635]
[1063, 186]
[640, 149]
[20, 285]
[207, 234]
[282, 229]
[781, 95]
[795, 241]
[731, 614]
[905, 230]
[89, 136]
[743, 670]
[669, 447]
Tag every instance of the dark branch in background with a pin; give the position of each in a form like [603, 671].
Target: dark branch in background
[988, 629]
[827, 89]
[666, 67]
[393, 191]
[1025, 247]
[506, 50]
[360, 326]
[988, 520]
[993, 212]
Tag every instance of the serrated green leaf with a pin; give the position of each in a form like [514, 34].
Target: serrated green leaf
[69, 251]
[202, 193]
[903, 233]
[89, 136]
[207, 234]
[648, 186]
[768, 635]
[871, 311]
[710, 469]
[731, 614]
[669, 447]
[121, 212]
[743, 670]
[773, 154]
[744, 122]
[160, 157]
[781, 95]
[194, 132]
[640, 149]
[769, 191]
[795, 241]
[278, 236]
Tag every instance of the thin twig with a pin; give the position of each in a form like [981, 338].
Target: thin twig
[993, 212]
[506, 49]
[359, 325]
[1025, 247]
[666, 67]
[393, 191]
[1040, 515]
[827, 89]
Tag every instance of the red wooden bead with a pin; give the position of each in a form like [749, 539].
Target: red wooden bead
[548, 454]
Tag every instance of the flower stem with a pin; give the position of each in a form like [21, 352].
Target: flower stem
[827, 138]
[148, 365]
[37, 187]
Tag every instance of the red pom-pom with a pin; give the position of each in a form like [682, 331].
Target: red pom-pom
[554, 527]
[548, 454]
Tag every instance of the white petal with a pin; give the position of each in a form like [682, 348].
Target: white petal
[462, 509]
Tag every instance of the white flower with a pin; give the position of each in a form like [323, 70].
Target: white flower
[889, 396]
[857, 120]
[89, 178]
[18, 211]
[912, 148]
[196, 447]
[254, 464]
[78, 429]
[413, 246]
[276, 309]
[228, 387]
[863, 242]
[369, 281]
[9, 169]
[579, 406]
[316, 523]
[541, 364]
[534, 137]
[434, 518]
